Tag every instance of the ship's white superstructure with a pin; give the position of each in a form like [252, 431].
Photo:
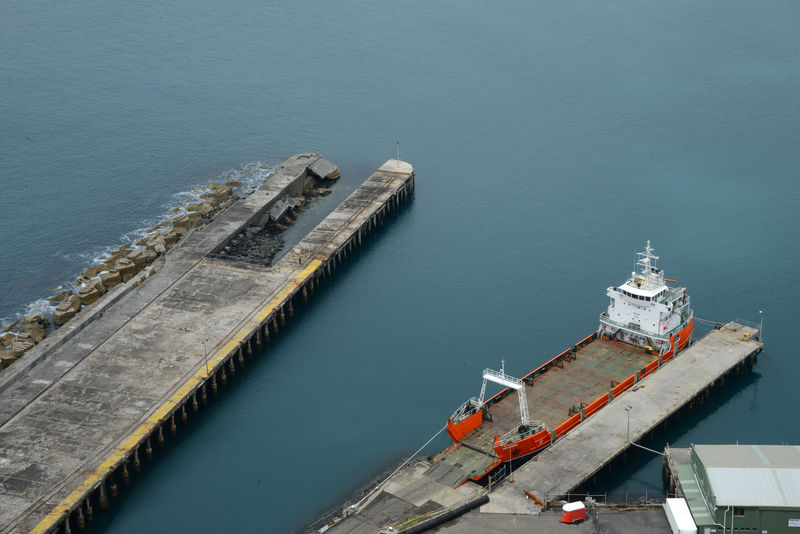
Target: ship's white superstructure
[644, 311]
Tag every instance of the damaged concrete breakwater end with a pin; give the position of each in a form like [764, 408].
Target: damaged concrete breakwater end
[114, 383]
[135, 260]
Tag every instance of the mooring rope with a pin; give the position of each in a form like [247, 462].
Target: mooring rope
[706, 321]
[356, 505]
[645, 448]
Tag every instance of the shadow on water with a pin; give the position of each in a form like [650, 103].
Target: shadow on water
[239, 384]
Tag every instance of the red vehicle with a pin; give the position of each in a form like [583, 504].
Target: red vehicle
[573, 512]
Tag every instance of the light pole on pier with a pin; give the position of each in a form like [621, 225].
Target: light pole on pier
[628, 432]
[205, 354]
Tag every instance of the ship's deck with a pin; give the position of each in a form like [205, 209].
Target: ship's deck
[553, 394]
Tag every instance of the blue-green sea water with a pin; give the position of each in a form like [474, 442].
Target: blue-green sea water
[550, 139]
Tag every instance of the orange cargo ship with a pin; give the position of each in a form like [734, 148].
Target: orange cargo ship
[646, 324]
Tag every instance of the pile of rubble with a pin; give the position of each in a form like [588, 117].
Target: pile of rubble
[257, 244]
[260, 243]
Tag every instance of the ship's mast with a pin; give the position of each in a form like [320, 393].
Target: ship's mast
[510, 382]
[648, 262]
[647, 259]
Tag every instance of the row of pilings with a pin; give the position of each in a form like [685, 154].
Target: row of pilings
[107, 489]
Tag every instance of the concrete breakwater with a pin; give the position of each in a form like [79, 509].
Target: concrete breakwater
[134, 260]
[73, 426]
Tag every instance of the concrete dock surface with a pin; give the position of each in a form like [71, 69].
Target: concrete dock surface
[599, 439]
[608, 520]
[83, 404]
[408, 493]
[573, 458]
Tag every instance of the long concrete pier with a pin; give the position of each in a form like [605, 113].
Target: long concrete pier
[576, 456]
[596, 442]
[89, 403]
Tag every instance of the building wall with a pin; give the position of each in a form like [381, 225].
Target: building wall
[756, 520]
[702, 477]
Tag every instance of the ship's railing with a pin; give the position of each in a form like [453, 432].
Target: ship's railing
[467, 409]
[501, 378]
[751, 324]
[516, 435]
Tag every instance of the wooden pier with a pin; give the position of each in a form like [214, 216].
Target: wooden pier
[96, 398]
[598, 440]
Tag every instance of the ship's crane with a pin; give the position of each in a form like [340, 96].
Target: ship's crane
[510, 382]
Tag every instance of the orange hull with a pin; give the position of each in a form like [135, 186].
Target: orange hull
[543, 438]
[464, 427]
[523, 447]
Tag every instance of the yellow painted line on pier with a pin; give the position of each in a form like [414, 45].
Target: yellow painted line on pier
[143, 430]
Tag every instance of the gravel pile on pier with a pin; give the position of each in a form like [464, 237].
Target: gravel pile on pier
[254, 245]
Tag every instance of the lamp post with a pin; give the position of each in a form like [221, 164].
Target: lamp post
[628, 432]
[205, 354]
[761, 326]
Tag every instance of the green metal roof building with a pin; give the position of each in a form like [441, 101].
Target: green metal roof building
[739, 488]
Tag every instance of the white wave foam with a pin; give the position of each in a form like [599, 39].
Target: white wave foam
[251, 174]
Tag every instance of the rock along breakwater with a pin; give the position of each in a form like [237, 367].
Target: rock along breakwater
[135, 260]
[93, 401]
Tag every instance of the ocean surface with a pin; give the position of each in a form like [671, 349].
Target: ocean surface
[550, 141]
